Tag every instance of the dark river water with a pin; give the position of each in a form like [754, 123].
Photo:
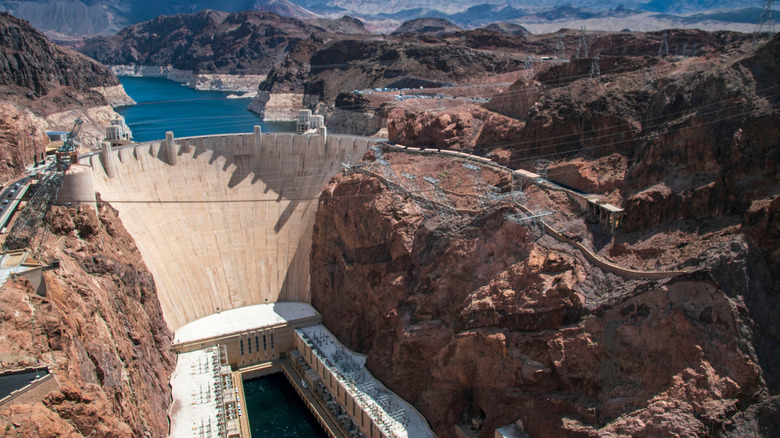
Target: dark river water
[275, 410]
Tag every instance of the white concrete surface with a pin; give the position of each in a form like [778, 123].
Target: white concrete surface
[242, 320]
[77, 187]
[230, 223]
[195, 411]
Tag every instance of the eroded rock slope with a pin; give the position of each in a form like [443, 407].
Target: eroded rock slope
[100, 330]
[482, 318]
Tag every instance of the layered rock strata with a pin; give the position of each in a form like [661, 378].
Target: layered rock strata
[46, 87]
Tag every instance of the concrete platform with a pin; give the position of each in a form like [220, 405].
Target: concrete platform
[242, 320]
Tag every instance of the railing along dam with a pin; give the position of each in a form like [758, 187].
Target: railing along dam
[223, 221]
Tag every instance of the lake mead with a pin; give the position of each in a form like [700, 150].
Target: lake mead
[163, 105]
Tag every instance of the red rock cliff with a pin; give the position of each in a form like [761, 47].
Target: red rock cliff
[488, 321]
[100, 330]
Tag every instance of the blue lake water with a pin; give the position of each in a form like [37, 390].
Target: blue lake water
[164, 105]
[276, 411]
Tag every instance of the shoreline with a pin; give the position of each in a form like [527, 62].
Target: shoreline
[246, 85]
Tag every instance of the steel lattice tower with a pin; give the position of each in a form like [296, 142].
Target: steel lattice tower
[766, 23]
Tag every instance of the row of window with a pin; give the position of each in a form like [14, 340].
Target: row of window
[257, 344]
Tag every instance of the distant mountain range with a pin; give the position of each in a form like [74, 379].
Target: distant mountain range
[60, 18]
[63, 19]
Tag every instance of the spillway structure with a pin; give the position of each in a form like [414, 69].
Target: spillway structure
[223, 221]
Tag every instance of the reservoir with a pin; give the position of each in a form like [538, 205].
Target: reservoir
[164, 105]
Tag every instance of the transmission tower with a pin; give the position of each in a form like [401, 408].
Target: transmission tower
[595, 71]
[766, 22]
[649, 77]
[540, 166]
[527, 63]
[582, 46]
[663, 51]
[561, 49]
[31, 217]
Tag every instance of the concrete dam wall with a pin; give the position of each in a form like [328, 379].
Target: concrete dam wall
[223, 221]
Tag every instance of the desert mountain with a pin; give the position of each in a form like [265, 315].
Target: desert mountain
[208, 41]
[508, 28]
[107, 17]
[344, 25]
[38, 80]
[430, 26]
[69, 20]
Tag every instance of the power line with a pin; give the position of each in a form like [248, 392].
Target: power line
[541, 158]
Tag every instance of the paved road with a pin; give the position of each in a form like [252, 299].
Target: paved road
[12, 382]
[10, 197]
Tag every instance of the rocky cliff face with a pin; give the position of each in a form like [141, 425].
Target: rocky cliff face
[485, 320]
[320, 71]
[40, 80]
[688, 147]
[700, 133]
[99, 329]
[31, 67]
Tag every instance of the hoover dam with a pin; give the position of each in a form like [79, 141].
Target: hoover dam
[225, 224]
[223, 221]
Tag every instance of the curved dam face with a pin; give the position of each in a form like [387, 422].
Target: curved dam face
[223, 221]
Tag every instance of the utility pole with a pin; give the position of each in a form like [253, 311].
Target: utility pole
[561, 49]
[649, 77]
[595, 71]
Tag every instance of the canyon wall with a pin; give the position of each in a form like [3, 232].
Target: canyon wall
[99, 329]
[491, 322]
[46, 87]
[200, 81]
